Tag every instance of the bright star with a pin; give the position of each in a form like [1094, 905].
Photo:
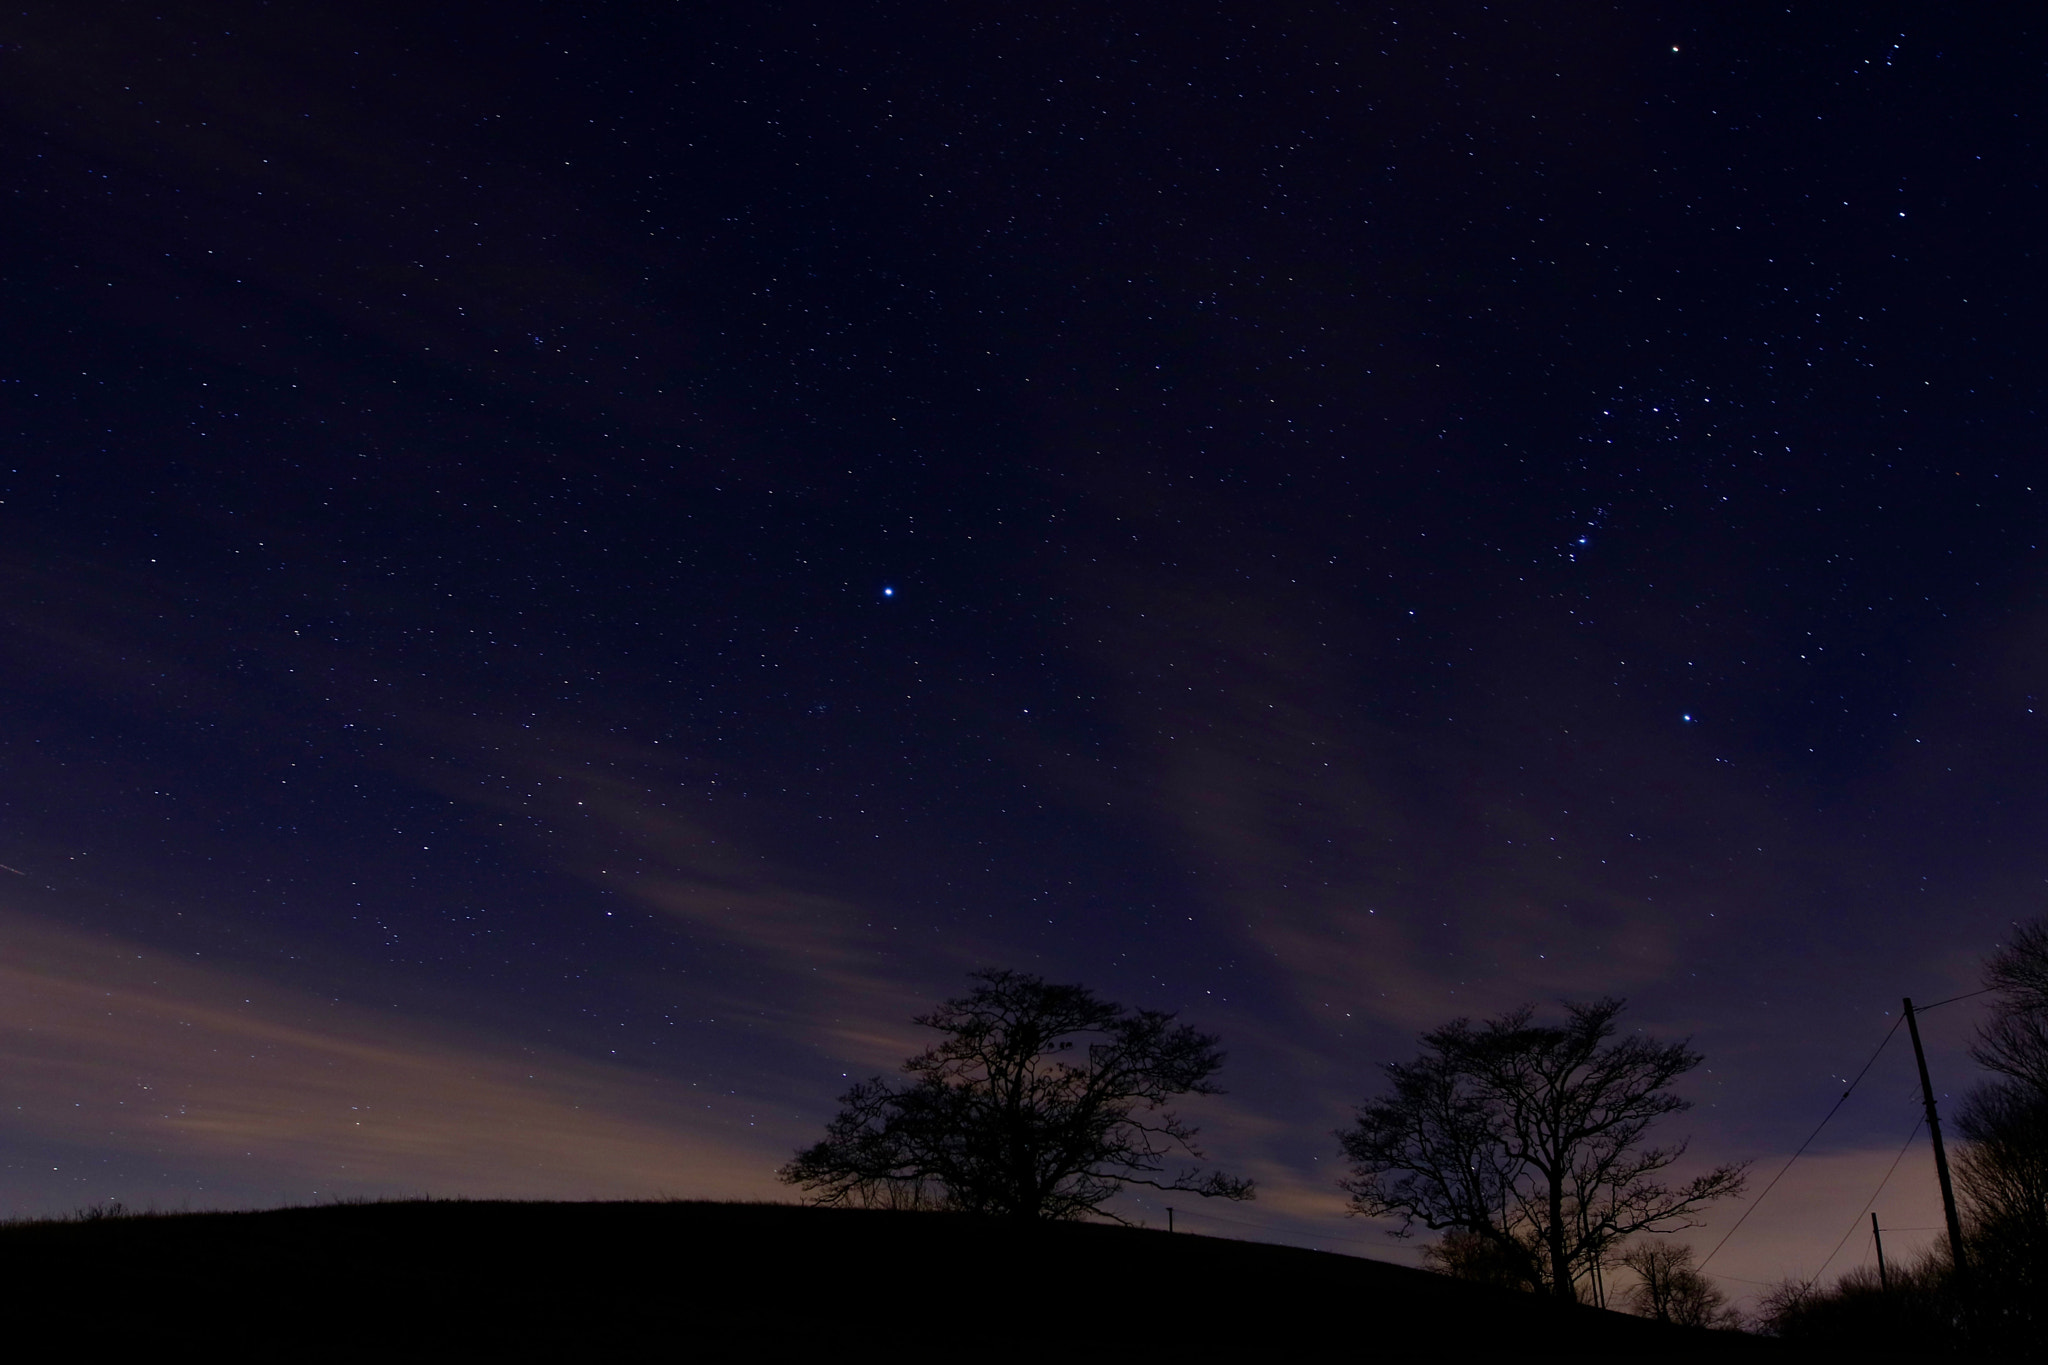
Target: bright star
[888, 592]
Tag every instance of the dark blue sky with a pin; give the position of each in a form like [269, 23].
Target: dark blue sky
[565, 569]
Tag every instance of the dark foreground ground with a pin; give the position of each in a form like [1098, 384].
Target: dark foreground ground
[685, 1281]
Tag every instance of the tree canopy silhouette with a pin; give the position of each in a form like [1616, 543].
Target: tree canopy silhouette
[1529, 1139]
[2002, 1170]
[2000, 1310]
[2013, 1042]
[1040, 1101]
[1670, 1287]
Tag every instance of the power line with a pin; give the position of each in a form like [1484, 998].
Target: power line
[1864, 1071]
[1804, 1145]
[1857, 1222]
[1953, 998]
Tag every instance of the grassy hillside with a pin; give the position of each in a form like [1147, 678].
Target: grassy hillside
[680, 1281]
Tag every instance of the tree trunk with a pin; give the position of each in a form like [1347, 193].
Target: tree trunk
[1560, 1264]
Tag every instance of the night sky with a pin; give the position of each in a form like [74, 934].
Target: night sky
[566, 568]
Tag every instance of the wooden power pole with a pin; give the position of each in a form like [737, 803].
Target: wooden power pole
[1884, 1281]
[1948, 1193]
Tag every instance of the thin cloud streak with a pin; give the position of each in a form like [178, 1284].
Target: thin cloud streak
[617, 817]
[1356, 853]
[121, 1047]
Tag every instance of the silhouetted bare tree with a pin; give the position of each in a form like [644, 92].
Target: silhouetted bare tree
[2014, 1041]
[2002, 1170]
[1477, 1258]
[1531, 1137]
[2001, 1178]
[2002, 1181]
[1670, 1288]
[1041, 1101]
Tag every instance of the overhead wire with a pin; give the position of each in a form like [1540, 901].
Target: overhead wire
[1857, 1222]
[1758, 1201]
[1922, 1009]
[1844, 1098]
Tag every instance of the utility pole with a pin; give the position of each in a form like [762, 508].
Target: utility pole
[1169, 1218]
[1948, 1193]
[1884, 1281]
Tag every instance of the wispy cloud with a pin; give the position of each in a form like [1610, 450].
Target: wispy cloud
[1377, 864]
[815, 962]
[120, 1047]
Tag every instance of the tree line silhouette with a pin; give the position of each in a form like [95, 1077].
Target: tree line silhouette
[1995, 1303]
[1525, 1146]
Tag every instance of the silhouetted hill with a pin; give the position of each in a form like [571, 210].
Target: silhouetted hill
[681, 1281]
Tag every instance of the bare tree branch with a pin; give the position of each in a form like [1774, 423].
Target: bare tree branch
[1040, 1101]
[1528, 1139]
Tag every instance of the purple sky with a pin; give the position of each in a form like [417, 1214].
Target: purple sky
[565, 573]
